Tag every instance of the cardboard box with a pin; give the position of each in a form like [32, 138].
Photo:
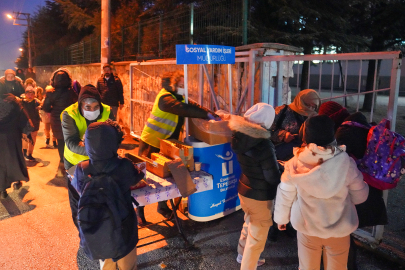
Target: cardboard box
[152, 166]
[175, 149]
[211, 132]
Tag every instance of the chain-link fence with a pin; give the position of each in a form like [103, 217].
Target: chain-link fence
[209, 22]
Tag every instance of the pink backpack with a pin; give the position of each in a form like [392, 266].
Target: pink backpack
[383, 164]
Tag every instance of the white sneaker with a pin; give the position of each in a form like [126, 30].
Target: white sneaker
[260, 262]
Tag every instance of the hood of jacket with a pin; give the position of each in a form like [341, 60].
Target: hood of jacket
[321, 181]
[246, 135]
[101, 142]
[89, 91]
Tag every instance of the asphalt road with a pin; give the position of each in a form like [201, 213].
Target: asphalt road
[38, 232]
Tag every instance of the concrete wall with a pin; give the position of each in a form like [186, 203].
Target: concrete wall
[89, 74]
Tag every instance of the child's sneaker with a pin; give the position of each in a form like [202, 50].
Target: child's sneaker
[260, 262]
[31, 158]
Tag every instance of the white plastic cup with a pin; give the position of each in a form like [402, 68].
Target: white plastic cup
[197, 166]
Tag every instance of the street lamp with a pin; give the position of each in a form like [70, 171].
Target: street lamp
[19, 16]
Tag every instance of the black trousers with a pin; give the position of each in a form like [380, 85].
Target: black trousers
[61, 149]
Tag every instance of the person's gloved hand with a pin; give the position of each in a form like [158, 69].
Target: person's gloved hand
[214, 117]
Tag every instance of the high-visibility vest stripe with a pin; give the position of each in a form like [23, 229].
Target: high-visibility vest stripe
[163, 120]
[158, 129]
[81, 124]
[160, 124]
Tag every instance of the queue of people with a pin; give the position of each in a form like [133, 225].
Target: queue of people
[296, 161]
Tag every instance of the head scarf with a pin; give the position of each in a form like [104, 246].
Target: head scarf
[304, 97]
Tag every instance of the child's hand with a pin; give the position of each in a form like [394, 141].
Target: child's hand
[282, 227]
[289, 137]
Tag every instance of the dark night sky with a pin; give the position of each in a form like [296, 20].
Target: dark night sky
[11, 35]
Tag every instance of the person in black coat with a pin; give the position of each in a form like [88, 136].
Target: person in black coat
[20, 74]
[372, 212]
[102, 140]
[59, 96]
[14, 122]
[31, 106]
[10, 84]
[110, 88]
[259, 180]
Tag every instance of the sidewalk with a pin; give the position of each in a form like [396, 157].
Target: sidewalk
[38, 232]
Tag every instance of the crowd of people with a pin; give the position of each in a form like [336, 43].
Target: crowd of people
[297, 162]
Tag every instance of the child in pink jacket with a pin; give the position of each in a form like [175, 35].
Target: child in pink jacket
[318, 191]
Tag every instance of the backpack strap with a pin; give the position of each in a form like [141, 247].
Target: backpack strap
[354, 124]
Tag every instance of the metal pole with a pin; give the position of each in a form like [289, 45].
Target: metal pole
[29, 41]
[91, 59]
[200, 85]
[230, 87]
[122, 42]
[191, 23]
[186, 94]
[244, 21]
[160, 36]
[105, 32]
[139, 37]
[394, 92]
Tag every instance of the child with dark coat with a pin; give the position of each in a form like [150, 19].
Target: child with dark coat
[372, 212]
[102, 140]
[31, 106]
[258, 183]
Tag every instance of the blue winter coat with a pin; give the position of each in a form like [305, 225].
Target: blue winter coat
[102, 142]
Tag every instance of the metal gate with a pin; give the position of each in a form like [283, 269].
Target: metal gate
[274, 79]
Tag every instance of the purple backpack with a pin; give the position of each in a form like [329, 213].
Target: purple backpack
[383, 164]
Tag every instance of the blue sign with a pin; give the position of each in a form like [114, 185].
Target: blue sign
[204, 54]
[221, 162]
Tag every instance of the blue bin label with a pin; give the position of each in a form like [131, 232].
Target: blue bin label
[221, 162]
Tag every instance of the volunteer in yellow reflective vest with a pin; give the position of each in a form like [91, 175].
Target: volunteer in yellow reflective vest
[166, 121]
[75, 120]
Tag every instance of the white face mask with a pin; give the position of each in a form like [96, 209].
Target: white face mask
[180, 91]
[89, 115]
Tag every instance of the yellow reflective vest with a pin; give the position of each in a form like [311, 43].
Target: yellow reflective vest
[160, 124]
[73, 111]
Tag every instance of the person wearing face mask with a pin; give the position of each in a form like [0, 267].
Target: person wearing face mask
[11, 84]
[166, 121]
[110, 88]
[75, 120]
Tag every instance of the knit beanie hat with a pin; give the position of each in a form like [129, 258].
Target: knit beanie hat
[9, 71]
[261, 114]
[89, 91]
[335, 111]
[319, 130]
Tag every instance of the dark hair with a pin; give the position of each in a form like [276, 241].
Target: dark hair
[68, 84]
[107, 65]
